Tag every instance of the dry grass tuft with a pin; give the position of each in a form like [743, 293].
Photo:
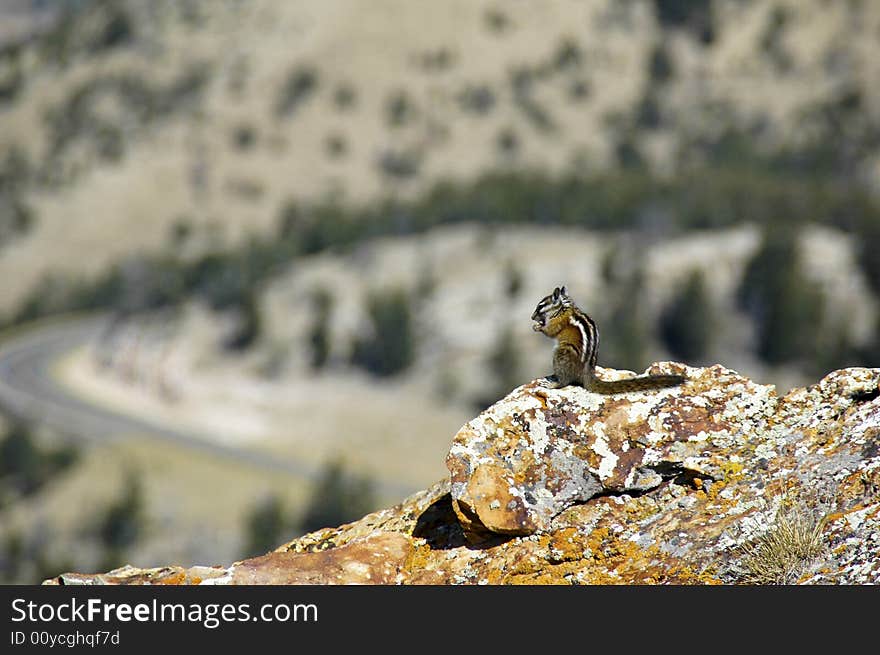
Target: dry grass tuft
[780, 555]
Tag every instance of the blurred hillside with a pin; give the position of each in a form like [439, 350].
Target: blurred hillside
[130, 125]
[292, 206]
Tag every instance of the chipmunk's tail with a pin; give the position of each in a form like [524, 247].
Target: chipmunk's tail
[640, 383]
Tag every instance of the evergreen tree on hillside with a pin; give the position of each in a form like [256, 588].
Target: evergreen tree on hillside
[687, 323]
[624, 334]
[338, 497]
[265, 526]
[390, 344]
[123, 522]
[319, 332]
[785, 304]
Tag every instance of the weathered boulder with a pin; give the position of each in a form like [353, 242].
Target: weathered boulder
[716, 481]
[539, 451]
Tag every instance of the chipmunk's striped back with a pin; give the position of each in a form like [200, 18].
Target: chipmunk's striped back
[589, 333]
[577, 348]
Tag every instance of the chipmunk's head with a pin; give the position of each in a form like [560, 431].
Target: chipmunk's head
[548, 307]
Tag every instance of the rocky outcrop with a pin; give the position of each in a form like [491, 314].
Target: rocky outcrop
[718, 481]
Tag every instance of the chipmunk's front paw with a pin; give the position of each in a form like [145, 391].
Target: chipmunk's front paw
[553, 382]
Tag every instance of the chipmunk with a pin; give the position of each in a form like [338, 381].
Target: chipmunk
[577, 346]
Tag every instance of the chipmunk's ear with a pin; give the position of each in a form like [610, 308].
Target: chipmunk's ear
[562, 291]
[556, 293]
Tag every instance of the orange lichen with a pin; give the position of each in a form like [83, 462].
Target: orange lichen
[566, 545]
[418, 558]
[175, 578]
[715, 489]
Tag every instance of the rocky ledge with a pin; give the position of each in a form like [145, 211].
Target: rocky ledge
[719, 481]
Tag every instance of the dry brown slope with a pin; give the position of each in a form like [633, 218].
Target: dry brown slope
[187, 164]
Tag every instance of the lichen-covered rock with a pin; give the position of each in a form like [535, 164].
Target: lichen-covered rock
[539, 451]
[718, 481]
[376, 559]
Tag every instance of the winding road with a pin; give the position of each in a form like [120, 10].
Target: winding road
[29, 391]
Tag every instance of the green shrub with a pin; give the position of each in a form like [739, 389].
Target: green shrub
[536, 113]
[308, 230]
[143, 284]
[76, 119]
[266, 525]
[249, 324]
[437, 60]
[338, 497]
[504, 364]
[11, 77]
[496, 20]
[123, 522]
[687, 324]
[869, 354]
[390, 345]
[300, 85]
[15, 171]
[568, 55]
[345, 97]
[319, 332]
[507, 141]
[786, 306]
[220, 280]
[771, 39]
[626, 149]
[23, 466]
[579, 90]
[648, 114]
[522, 82]
[624, 340]
[26, 559]
[400, 164]
[477, 99]
[90, 28]
[244, 136]
[16, 218]
[867, 245]
[16, 215]
[504, 361]
[426, 283]
[336, 145]
[513, 280]
[660, 65]
[26, 466]
[180, 232]
[117, 28]
[693, 15]
[400, 109]
[12, 557]
[835, 349]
